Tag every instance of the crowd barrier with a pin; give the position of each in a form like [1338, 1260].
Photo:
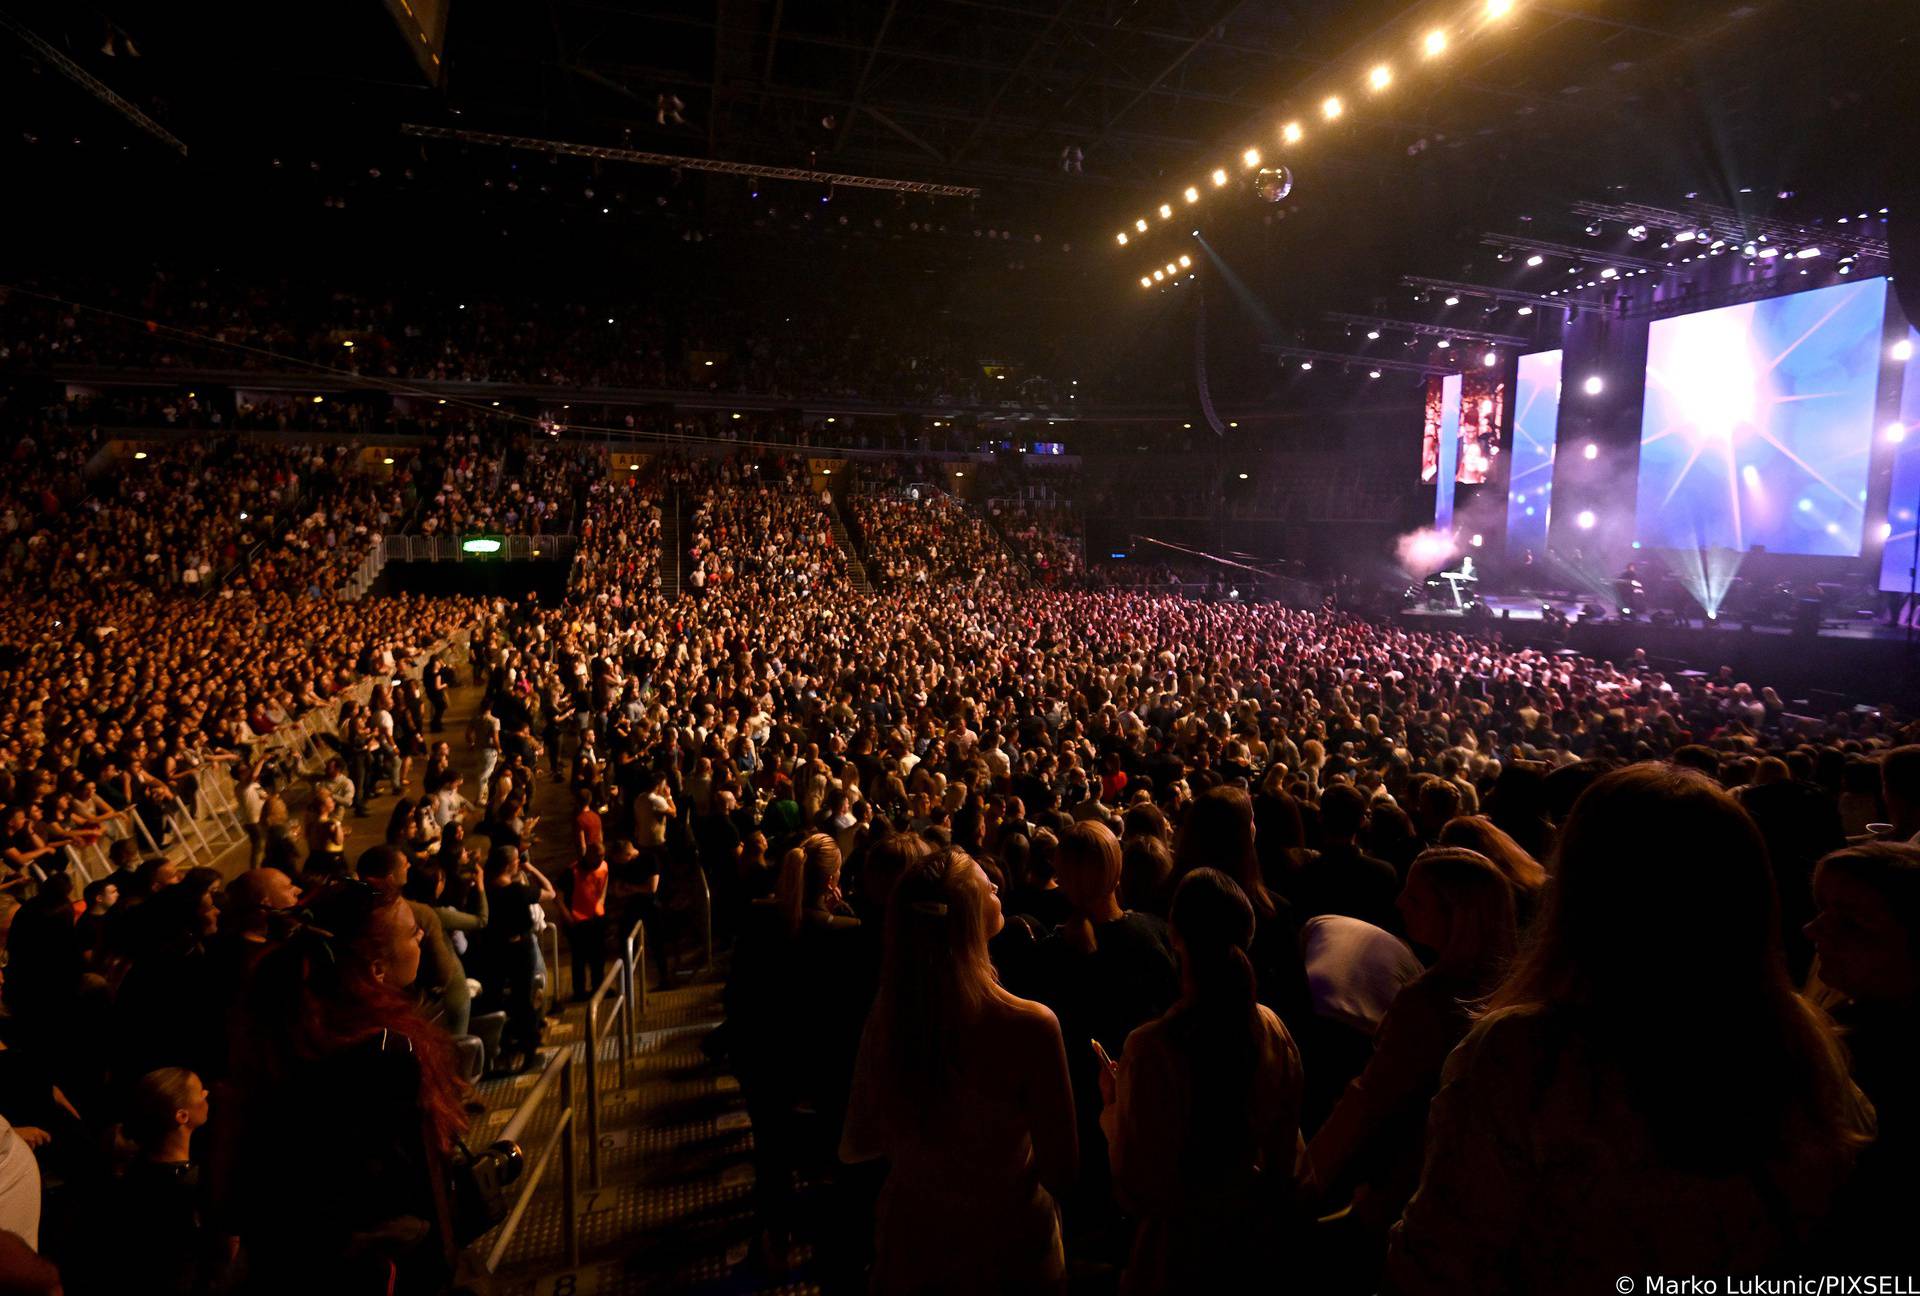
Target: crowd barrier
[217, 823]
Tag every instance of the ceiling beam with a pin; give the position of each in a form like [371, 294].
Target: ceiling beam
[866, 72]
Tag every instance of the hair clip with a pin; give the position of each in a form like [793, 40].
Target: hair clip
[931, 908]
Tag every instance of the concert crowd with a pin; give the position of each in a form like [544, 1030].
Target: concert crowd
[1078, 937]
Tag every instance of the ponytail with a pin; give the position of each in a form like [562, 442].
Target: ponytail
[1217, 1025]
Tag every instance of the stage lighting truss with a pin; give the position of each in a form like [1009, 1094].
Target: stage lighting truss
[1376, 76]
[1366, 366]
[1423, 329]
[1567, 252]
[1723, 222]
[806, 175]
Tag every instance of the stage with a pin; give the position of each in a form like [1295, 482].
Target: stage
[1845, 663]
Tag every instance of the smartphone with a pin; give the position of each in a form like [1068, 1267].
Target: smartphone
[1101, 1054]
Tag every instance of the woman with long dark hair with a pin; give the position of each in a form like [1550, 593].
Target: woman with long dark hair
[1203, 1111]
[963, 1088]
[793, 1022]
[1218, 833]
[1648, 1094]
[350, 1108]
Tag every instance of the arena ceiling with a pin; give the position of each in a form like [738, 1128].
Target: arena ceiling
[1071, 117]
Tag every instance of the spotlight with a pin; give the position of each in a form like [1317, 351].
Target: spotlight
[1490, 359]
[1896, 432]
[1477, 540]
[139, 454]
[1381, 77]
[1250, 158]
[1331, 107]
[1591, 451]
[1172, 268]
[1243, 476]
[1219, 177]
[1886, 530]
[1436, 42]
[1684, 236]
[1166, 211]
[1805, 254]
[1291, 133]
[1141, 224]
[1146, 281]
[1499, 8]
[1306, 364]
[1525, 310]
[1192, 194]
[1902, 350]
[1158, 275]
[1536, 259]
[1751, 476]
[1585, 521]
[1594, 385]
[1638, 233]
[1185, 261]
[1373, 335]
[1453, 301]
[1609, 273]
[1373, 373]
[1122, 237]
[1768, 253]
[1444, 343]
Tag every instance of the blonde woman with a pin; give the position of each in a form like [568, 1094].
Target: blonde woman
[962, 1088]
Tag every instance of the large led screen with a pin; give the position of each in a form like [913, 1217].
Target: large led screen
[1443, 437]
[1536, 421]
[1483, 403]
[1903, 497]
[1758, 423]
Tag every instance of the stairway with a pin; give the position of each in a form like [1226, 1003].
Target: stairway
[674, 1211]
[1018, 558]
[856, 569]
[672, 555]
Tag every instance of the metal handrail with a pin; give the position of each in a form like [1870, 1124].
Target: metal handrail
[559, 1069]
[616, 976]
[635, 948]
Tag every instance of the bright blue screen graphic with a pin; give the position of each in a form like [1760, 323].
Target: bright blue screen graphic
[1758, 423]
[1903, 499]
[1449, 451]
[1536, 419]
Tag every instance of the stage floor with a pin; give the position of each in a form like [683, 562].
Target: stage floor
[1530, 607]
[1846, 663]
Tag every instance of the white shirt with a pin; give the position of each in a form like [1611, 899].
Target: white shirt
[19, 1187]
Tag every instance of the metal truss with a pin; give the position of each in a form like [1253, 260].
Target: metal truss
[1363, 361]
[1421, 329]
[1735, 227]
[1515, 296]
[1571, 252]
[637, 157]
[93, 85]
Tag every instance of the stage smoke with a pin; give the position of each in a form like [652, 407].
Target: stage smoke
[1423, 552]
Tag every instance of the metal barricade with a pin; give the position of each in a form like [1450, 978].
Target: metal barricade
[596, 1036]
[556, 1075]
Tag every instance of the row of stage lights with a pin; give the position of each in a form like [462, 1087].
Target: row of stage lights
[1377, 79]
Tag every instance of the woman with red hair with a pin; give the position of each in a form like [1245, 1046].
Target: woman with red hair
[350, 1108]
